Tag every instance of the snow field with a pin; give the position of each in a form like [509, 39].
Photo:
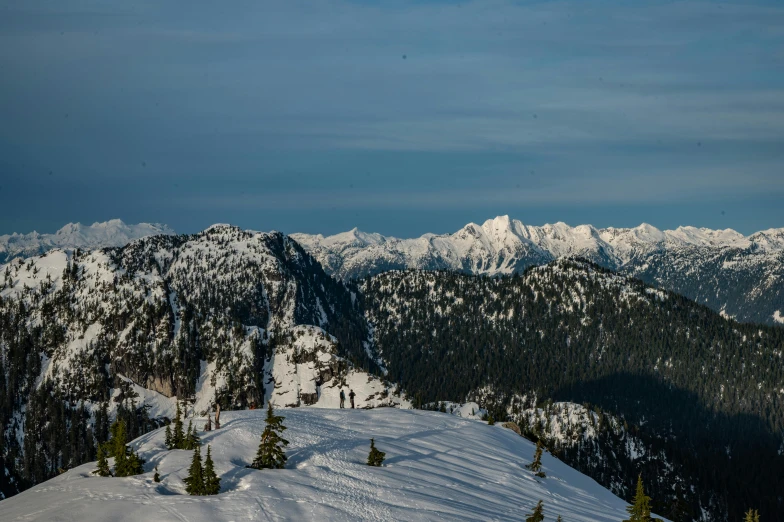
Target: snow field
[438, 467]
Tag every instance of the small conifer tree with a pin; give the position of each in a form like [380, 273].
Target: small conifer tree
[376, 457]
[191, 438]
[156, 477]
[752, 515]
[211, 479]
[168, 437]
[103, 463]
[271, 453]
[537, 515]
[116, 445]
[640, 509]
[178, 436]
[536, 465]
[186, 442]
[126, 461]
[559, 519]
[194, 482]
[134, 464]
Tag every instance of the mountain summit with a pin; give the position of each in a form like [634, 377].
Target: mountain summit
[737, 275]
[112, 233]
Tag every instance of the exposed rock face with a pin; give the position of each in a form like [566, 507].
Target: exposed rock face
[160, 384]
[512, 426]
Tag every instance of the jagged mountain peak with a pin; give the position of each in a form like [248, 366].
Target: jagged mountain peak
[112, 233]
[687, 260]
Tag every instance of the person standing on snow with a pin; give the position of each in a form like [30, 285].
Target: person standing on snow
[351, 396]
[342, 398]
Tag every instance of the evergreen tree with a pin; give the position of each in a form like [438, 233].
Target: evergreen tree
[192, 440]
[536, 465]
[156, 477]
[186, 438]
[126, 461]
[211, 479]
[194, 482]
[103, 463]
[537, 515]
[559, 519]
[376, 457]
[640, 509]
[178, 437]
[102, 423]
[752, 515]
[134, 464]
[271, 454]
[195, 439]
[168, 437]
[116, 446]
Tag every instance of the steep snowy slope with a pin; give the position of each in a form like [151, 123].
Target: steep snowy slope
[589, 440]
[113, 233]
[738, 275]
[157, 309]
[224, 316]
[438, 467]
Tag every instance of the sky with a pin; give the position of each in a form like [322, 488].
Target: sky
[392, 116]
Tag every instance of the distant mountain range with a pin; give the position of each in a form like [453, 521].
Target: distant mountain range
[740, 276]
[113, 233]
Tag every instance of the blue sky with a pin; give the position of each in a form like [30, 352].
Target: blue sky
[397, 117]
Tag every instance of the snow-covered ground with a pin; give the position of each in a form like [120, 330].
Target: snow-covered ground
[438, 467]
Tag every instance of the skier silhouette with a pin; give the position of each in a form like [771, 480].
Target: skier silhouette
[342, 398]
[351, 396]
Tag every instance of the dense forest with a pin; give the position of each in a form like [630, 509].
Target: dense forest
[707, 391]
[668, 387]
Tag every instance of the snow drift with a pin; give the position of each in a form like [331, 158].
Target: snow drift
[438, 467]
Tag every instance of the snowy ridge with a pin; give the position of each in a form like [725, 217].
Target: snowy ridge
[113, 233]
[221, 316]
[438, 467]
[722, 269]
[503, 245]
[568, 278]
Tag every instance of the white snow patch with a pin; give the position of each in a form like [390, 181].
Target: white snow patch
[438, 467]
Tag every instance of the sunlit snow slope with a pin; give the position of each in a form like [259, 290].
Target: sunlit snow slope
[438, 467]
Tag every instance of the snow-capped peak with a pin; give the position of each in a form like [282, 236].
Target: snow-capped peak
[505, 245]
[112, 233]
